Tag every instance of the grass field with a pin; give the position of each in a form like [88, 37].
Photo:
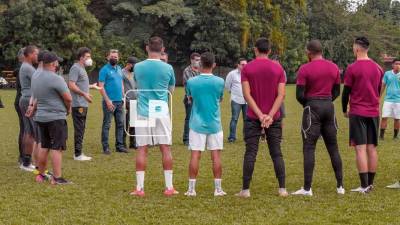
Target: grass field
[99, 194]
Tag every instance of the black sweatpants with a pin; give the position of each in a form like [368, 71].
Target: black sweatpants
[21, 130]
[319, 119]
[252, 133]
[79, 115]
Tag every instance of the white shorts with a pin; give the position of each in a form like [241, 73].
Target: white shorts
[158, 135]
[391, 110]
[198, 142]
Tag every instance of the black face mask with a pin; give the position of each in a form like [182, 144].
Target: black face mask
[113, 62]
[131, 70]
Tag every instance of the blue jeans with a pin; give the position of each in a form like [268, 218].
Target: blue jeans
[235, 107]
[119, 125]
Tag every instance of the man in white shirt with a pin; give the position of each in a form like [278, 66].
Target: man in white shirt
[234, 86]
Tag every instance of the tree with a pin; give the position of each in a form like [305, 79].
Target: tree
[60, 25]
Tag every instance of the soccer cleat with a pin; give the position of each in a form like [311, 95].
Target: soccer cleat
[59, 181]
[283, 192]
[303, 192]
[138, 193]
[29, 168]
[170, 192]
[219, 192]
[82, 157]
[243, 194]
[361, 190]
[191, 193]
[340, 190]
[394, 186]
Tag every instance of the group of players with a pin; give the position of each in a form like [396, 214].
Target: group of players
[46, 101]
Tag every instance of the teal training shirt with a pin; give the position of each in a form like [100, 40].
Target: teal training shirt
[206, 91]
[153, 80]
[392, 82]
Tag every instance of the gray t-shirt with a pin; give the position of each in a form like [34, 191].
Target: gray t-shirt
[129, 84]
[25, 76]
[78, 74]
[48, 89]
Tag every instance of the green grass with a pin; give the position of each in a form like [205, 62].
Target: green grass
[99, 194]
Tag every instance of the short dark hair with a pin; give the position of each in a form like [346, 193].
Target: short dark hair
[194, 55]
[263, 45]
[241, 60]
[314, 47]
[132, 60]
[396, 60]
[29, 50]
[362, 41]
[207, 60]
[81, 52]
[155, 44]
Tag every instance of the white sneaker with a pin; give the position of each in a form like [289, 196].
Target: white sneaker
[243, 194]
[360, 190]
[82, 157]
[283, 192]
[191, 193]
[219, 192]
[340, 190]
[394, 186]
[303, 192]
[29, 168]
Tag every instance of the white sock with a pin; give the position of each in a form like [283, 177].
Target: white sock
[168, 179]
[192, 184]
[139, 180]
[217, 184]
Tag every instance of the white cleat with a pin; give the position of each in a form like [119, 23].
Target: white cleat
[29, 168]
[243, 194]
[340, 190]
[191, 193]
[360, 190]
[219, 192]
[82, 157]
[394, 186]
[303, 192]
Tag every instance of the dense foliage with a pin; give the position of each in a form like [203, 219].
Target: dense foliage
[229, 28]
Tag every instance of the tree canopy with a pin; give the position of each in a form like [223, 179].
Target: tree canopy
[228, 28]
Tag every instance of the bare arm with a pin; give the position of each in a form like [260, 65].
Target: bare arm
[74, 88]
[103, 93]
[383, 89]
[67, 98]
[279, 99]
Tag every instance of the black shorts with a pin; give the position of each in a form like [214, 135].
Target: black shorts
[363, 130]
[54, 134]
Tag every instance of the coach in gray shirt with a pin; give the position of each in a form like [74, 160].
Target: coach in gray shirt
[130, 94]
[53, 104]
[25, 76]
[79, 86]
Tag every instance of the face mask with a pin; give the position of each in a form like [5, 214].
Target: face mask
[196, 64]
[131, 70]
[113, 62]
[88, 62]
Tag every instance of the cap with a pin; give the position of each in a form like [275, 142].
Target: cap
[132, 60]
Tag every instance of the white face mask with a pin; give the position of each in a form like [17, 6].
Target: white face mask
[89, 62]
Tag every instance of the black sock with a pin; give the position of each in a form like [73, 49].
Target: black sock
[371, 176]
[364, 180]
[396, 132]
[382, 135]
